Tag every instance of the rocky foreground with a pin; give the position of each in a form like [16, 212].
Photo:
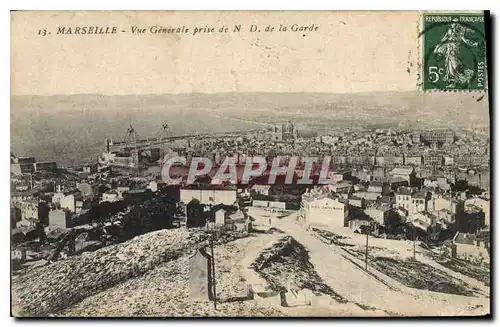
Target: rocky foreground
[54, 287]
[149, 276]
[164, 291]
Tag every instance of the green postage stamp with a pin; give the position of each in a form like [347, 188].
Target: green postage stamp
[454, 51]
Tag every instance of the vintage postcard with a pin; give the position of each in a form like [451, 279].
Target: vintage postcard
[250, 164]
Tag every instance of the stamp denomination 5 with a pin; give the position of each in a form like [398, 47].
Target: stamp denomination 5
[454, 49]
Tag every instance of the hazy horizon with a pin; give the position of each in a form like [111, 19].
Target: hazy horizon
[72, 128]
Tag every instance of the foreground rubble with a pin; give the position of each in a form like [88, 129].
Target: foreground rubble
[49, 289]
[287, 262]
[164, 291]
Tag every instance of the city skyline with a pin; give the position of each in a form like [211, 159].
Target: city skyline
[95, 117]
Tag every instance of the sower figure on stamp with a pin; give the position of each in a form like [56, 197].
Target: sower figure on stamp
[449, 48]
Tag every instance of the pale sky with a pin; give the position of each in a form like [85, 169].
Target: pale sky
[350, 52]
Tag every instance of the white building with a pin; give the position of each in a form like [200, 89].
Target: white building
[29, 209]
[413, 160]
[341, 187]
[483, 204]
[356, 202]
[422, 220]
[378, 187]
[111, 197]
[355, 224]
[121, 190]
[379, 213]
[153, 186]
[437, 182]
[237, 222]
[323, 211]
[261, 189]
[437, 203]
[448, 161]
[26, 223]
[18, 254]
[334, 177]
[56, 198]
[445, 216]
[210, 195]
[220, 217]
[68, 202]
[471, 247]
[276, 205]
[85, 189]
[368, 196]
[59, 218]
[406, 173]
[411, 201]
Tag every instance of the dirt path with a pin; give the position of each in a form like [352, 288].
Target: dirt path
[252, 252]
[357, 286]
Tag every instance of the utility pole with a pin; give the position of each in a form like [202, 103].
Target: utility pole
[414, 257]
[213, 270]
[366, 250]
[366, 253]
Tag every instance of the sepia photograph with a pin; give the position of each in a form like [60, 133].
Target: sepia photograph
[169, 164]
